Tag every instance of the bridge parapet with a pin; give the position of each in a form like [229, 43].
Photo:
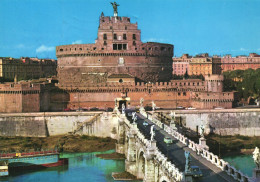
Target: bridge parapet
[154, 162]
[202, 151]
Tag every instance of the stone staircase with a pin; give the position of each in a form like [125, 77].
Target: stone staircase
[82, 124]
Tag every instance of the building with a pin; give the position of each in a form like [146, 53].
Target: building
[26, 68]
[180, 66]
[229, 63]
[117, 50]
[198, 65]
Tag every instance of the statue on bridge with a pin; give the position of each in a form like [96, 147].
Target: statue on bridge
[114, 4]
[142, 105]
[256, 157]
[116, 106]
[123, 108]
[142, 102]
[153, 105]
[188, 160]
[173, 115]
[202, 128]
[134, 116]
[172, 123]
[152, 133]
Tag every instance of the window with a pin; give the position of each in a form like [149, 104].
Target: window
[105, 43]
[179, 94]
[184, 93]
[124, 36]
[134, 37]
[114, 46]
[134, 43]
[115, 36]
[119, 46]
[125, 27]
[61, 50]
[105, 36]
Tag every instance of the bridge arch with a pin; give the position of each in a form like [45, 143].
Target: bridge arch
[141, 163]
[164, 179]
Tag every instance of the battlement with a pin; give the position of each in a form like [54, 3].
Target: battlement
[218, 78]
[19, 88]
[213, 96]
[103, 20]
[144, 49]
[174, 85]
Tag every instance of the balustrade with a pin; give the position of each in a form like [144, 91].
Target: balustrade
[214, 159]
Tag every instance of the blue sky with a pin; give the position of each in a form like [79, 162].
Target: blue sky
[34, 27]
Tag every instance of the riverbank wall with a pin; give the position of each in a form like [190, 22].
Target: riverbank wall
[45, 124]
[223, 121]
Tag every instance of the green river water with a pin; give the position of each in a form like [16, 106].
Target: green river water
[89, 168]
[85, 167]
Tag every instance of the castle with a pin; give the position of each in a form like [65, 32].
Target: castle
[118, 50]
[118, 67]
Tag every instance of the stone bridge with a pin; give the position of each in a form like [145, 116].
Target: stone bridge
[147, 162]
[143, 158]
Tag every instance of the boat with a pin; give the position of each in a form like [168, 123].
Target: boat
[4, 168]
[33, 160]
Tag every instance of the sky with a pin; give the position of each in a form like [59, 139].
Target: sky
[32, 28]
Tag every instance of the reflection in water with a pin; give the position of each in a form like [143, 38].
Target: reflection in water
[82, 167]
[244, 163]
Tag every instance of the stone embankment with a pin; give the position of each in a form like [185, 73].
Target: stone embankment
[43, 124]
[223, 122]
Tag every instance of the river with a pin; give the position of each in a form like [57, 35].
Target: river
[88, 167]
[244, 163]
[82, 167]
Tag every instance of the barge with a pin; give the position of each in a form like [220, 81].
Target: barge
[33, 160]
[4, 168]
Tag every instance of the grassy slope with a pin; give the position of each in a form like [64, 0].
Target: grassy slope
[70, 143]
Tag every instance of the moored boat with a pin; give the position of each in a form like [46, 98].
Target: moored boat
[33, 160]
[4, 168]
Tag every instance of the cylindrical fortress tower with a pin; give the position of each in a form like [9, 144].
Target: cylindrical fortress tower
[118, 50]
